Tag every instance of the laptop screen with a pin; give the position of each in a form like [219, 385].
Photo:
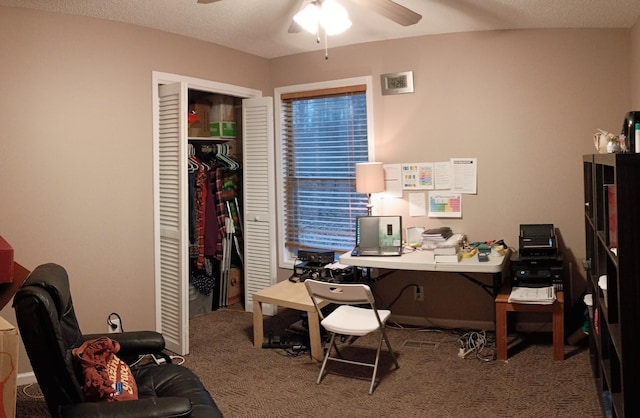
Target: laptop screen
[378, 231]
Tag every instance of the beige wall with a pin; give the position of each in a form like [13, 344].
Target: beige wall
[525, 103]
[76, 157]
[635, 66]
[76, 135]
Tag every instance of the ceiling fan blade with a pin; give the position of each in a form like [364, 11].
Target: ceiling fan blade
[294, 27]
[207, 1]
[392, 11]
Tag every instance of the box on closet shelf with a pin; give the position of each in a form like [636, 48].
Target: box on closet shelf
[201, 126]
[223, 128]
[222, 108]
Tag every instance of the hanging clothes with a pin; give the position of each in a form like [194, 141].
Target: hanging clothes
[201, 197]
[216, 215]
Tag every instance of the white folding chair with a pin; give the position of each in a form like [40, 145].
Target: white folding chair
[350, 320]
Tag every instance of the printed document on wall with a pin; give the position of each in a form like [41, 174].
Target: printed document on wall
[442, 175]
[464, 175]
[417, 204]
[445, 205]
[392, 180]
[417, 176]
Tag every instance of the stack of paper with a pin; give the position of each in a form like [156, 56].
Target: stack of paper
[444, 251]
[533, 295]
[447, 258]
[437, 234]
[452, 240]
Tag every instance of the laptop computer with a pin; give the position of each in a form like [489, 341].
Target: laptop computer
[378, 236]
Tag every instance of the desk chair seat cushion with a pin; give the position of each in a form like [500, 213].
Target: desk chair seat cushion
[353, 320]
[172, 380]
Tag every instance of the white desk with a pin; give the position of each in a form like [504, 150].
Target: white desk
[417, 260]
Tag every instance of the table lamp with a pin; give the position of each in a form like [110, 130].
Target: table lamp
[369, 179]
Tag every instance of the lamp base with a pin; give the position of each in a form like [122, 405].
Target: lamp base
[369, 205]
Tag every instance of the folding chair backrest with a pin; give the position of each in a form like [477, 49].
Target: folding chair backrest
[344, 294]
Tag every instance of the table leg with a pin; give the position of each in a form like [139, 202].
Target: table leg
[558, 331]
[314, 335]
[258, 330]
[501, 331]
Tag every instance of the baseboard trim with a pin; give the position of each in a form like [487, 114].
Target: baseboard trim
[441, 323]
[26, 379]
[418, 321]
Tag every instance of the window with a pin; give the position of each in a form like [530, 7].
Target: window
[324, 133]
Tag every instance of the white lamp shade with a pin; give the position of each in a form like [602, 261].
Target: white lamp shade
[369, 177]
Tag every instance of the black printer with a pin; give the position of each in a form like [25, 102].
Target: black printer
[537, 263]
[538, 242]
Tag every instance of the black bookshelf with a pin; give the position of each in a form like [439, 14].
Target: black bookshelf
[612, 236]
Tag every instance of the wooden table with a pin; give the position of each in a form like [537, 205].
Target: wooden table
[289, 295]
[503, 306]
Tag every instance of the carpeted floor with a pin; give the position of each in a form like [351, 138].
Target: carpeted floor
[432, 380]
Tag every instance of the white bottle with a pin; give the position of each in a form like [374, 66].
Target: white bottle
[637, 138]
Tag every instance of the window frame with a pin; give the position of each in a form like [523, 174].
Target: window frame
[287, 256]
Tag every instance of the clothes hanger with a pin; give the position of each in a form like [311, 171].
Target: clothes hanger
[224, 155]
[219, 157]
[192, 160]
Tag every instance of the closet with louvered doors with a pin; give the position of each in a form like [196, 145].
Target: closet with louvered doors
[253, 148]
[215, 201]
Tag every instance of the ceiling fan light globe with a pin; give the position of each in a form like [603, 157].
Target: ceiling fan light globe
[335, 27]
[308, 18]
[334, 18]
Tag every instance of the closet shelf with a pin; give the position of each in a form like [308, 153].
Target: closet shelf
[212, 138]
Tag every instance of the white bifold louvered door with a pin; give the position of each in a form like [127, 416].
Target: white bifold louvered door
[171, 227]
[171, 208]
[259, 199]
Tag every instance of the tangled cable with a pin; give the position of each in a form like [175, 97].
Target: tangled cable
[474, 341]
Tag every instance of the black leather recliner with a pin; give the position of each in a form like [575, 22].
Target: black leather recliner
[50, 331]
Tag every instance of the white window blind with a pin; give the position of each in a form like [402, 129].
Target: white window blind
[324, 135]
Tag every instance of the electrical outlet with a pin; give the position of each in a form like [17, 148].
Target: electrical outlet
[114, 326]
[418, 294]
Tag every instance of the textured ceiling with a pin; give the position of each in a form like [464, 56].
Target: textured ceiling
[259, 27]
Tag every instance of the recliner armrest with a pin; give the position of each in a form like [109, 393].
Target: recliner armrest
[142, 408]
[134, 342]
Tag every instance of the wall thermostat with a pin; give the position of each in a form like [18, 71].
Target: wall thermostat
[397, 83]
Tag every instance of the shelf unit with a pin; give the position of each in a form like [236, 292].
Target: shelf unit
[612, 235]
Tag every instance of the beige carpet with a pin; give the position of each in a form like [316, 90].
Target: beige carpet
[432, 380]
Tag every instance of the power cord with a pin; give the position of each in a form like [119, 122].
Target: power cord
[115, 322]
[159, 360]
[30, 385]
[400, 294]
[474, 342]
[179, 358]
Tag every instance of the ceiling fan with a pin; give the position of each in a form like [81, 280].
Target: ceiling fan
[387, 8]
[392, 10]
